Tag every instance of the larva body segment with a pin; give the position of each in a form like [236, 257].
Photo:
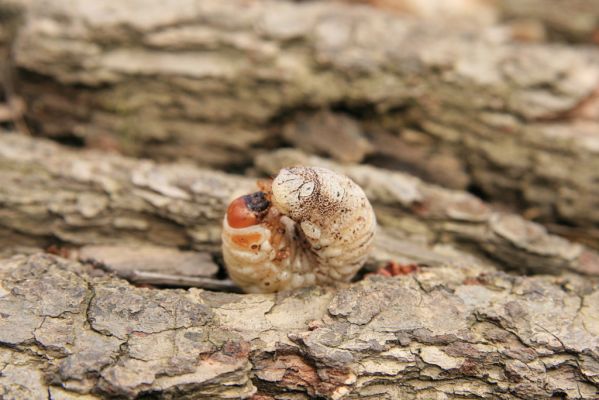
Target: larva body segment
[313, 226]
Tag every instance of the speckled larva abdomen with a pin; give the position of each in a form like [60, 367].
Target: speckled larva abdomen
[313, 226]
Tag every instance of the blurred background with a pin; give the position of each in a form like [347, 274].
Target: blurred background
[496, 98]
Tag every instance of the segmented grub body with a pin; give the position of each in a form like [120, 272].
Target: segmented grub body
[309, 226]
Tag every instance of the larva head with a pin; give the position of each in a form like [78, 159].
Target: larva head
[306, 192]
[247, 210]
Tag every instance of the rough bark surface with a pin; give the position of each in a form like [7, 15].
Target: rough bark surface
[10, 106]
[438, 333]
[222, 83]
[181, 77]
[575, 20]
[53, 195]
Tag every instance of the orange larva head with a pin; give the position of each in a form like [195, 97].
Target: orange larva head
[247, 210]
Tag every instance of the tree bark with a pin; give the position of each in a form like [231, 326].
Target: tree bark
[53, 195]
[11, 106]
[573, 20]
[202, 80]
[437, 333]
[224, 83]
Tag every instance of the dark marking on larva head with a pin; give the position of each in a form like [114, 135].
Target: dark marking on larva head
[256, 202]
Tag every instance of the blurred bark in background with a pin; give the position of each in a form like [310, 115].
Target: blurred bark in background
[559, 20]
[11, 106]
[467, 106]
[571, 20]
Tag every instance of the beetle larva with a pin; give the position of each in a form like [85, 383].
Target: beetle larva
[309, 226]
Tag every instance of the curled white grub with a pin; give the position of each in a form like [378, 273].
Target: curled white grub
[309, 226]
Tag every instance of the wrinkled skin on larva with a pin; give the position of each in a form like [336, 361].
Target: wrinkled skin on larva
[311, 226]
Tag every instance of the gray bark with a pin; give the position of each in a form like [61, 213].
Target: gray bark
[439, 333]
[53, 195]
[202, 80]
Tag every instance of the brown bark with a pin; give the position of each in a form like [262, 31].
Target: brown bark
[53, 195]
[573, 20]
[202, 80]
[437, 333]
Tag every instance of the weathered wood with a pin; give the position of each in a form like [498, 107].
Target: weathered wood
[437, 333]
[573, 20]
[204, 81]
[12, 107]
[125, 260]
[456, 11]
[156, 265]
[55, 195]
